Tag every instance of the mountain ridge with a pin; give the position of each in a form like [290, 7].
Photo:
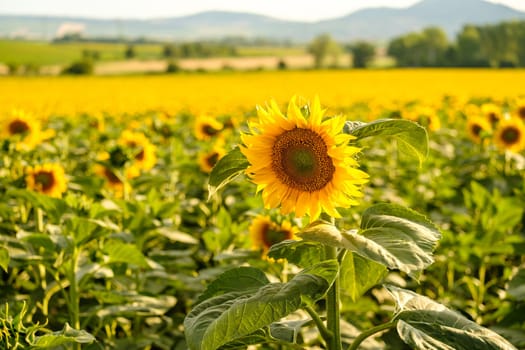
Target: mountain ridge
[374, 23]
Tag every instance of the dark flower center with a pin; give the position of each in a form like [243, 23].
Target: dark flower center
[45, 180]
[270, 235]
[521, 112]
[111, 177]
[212, 159]
[476, 130]
[18, 127]
[209, 130]
[300, 160]
[510, 135]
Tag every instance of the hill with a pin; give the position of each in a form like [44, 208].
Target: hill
[371, 24]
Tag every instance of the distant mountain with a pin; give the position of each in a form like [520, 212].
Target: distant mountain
[380, 23]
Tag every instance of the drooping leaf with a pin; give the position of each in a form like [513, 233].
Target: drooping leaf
[391, 235]
[412, 138]
[4, 258]
[301, 253]
[65, 336]
[426, 324]
[121, 252]
[227, 168]
[237, 279]
[224, 318]
[358, 275]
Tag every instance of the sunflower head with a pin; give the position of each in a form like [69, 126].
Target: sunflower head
[264, 233]
[303, 164]
[520, 109]
[492, 112]
[206, 127]
[48, 179]
[477, 127]
[23, 128]
[510, 135]
[208, 159]
[141, 151]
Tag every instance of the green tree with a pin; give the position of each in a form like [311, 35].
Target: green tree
[323, 46]
[130, 52]
[362, 52]
[468, 44]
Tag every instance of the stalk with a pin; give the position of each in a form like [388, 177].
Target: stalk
[332, 307]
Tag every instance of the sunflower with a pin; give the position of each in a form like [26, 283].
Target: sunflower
[492, 112]
[48, 179]
[264, 233]
[144, 152]
[510, 135]
[477, 126]
[114, 182]
[520, 109]
[24, 128]
[206, 127]
[426, 116]
[207, 160]
[302, 164]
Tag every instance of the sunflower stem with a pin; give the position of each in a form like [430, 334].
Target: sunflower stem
[332, 307]
[323, 331]
[361, 337]
[39, 213]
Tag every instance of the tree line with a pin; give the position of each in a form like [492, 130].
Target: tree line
[495, 45]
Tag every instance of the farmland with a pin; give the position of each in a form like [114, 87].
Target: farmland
[117, 232]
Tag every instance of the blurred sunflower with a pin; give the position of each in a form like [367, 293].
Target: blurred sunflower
[492, 112]
[510, 135]
[520, 109]
[426, 116]
[477, 127]
[264, 233]
[144, 152]
[206, 127]
[24, 128]
[304, 165]
[207, 160]
[48, 179]
[115, 183]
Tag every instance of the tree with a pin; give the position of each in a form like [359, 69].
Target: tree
[468, 43]
[323, 46]
[130, 52]
[363, 52]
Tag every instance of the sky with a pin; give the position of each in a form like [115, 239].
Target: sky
[298, 10]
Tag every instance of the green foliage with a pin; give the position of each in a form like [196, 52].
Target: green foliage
[362, 54]
[324, 46]
[82, 67]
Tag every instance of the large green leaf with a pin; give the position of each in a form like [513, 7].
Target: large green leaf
[4, 258]
[391, 235]
[426, 324]
[237, 279]
[412, 138]
[227, 168]
[301, 253]
[230, 316]
[65, 336]
[359, 275]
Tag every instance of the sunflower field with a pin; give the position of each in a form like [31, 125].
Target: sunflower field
[336, 209]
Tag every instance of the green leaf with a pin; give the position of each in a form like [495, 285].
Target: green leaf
[391, 235]
[53, 207]
[65, 336]
[412, 138]
[301, 253]
[237, 279]
[426, 324]
[124, 253]
[227, 168]
[359, 275]
[4, 258]
[233, 315]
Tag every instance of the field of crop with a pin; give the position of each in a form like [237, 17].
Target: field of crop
[168, 212]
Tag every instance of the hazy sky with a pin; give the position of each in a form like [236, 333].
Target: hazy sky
[285, 9]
